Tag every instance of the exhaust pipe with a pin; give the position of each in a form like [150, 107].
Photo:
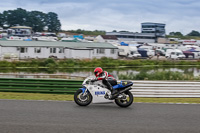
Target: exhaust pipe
[122, 91]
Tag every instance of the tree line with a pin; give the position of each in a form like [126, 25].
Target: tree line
[35, 19]
[86, 32]
[193, 33]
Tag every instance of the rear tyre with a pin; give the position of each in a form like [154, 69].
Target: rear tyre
[82, 100]
[126, 101]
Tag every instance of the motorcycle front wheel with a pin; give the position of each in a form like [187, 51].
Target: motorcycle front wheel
[126, 100]
[82, 100]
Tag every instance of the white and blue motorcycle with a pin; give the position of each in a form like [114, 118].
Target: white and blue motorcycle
[96, 92]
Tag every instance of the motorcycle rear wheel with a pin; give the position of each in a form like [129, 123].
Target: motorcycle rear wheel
[82, 100]
[125, 102]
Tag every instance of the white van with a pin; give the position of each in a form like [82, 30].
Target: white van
[196, 55]
[149, 49]
[174, 54]
[128, 51]
[134, 52]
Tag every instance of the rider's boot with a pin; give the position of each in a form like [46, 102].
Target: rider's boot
[109, 86]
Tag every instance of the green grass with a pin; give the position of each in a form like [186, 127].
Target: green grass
[35, 96]
[159, 75]
[167, 100]
[62, 97]
[71, 65]
[103, 62]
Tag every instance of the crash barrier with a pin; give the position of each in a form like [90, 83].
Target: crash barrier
[39, 85]
[63, 86]
[166, 89]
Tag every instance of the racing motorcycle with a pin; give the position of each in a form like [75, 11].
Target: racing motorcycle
[96, 92]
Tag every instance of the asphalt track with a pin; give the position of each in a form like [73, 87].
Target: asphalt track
[18, 116]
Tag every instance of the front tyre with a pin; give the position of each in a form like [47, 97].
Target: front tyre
[126, 100]
[82, 100]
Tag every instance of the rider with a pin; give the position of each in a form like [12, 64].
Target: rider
[103, 75]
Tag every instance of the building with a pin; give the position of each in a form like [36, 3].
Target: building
[163, 40]
[20, 31]
[131, 36]
[106, 38]
[154, 28]
[189, 42]
[150, 32]
[60, 50]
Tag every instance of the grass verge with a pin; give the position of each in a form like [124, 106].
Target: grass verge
[35, 96]
[167, 100]
[63, 97]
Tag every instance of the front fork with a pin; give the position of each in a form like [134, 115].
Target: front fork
[84, 91]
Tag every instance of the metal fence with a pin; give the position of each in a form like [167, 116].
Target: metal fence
[166, 89]
[39, 85]
[63, 86]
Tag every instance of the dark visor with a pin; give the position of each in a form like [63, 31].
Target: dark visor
[95, 73]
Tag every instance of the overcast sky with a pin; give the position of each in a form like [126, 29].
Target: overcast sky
[109, 15]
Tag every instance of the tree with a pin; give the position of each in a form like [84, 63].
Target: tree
[175, 34]
[85, 32]
[36, 20]
[193, 33]
[1, 20]
[52, 22]
[123, 31]
[171, 33]
[15, 17]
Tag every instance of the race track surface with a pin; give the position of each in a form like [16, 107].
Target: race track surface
[17, 116]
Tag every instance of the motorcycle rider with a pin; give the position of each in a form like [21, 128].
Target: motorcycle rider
[103, 75]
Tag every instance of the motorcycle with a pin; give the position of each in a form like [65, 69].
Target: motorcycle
[96, 92]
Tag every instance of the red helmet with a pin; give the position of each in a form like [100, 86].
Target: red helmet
[98, 71]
